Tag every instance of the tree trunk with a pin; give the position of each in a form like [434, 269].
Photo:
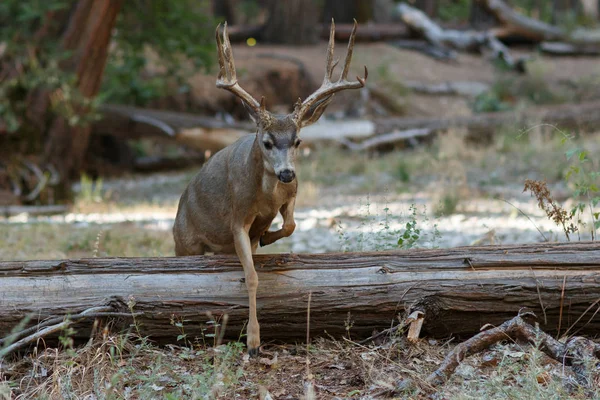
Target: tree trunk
[88, 35]
[562, 8]
[346, 11]
[480, 18]
[292, 22]
[429, 7]
[459, 290]
[590, 9]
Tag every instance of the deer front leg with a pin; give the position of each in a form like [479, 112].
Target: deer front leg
[287, 212]
[243, 248]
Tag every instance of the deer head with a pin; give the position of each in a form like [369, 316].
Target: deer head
[278, 135]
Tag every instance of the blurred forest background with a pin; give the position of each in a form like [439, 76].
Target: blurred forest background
[66, 66]
[478, 125]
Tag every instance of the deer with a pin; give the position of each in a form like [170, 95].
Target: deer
[229, 206]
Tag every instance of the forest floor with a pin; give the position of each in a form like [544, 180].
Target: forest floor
[449, 192]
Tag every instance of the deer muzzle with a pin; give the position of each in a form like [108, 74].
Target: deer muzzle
[287, 175]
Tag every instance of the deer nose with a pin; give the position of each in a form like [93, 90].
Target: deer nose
[287, 175]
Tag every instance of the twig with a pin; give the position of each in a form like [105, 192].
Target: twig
[526, 216]
[387, 138]
[308, 333]
[90, 312]
[537, 288]
[581, 316]
[562, 302]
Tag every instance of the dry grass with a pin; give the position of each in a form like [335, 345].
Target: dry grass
[126, 367]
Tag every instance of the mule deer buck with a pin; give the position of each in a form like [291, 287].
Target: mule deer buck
[230, 204]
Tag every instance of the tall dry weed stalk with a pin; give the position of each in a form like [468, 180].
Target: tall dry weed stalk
[555, 212]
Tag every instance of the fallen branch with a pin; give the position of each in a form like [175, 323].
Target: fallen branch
[48, 330]
[460, 88]
[563, 116]
[573, 352]
[516, 24]
[385, 139]
[441, 38]
[570, 49]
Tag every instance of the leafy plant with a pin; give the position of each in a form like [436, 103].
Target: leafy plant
[584, 176]
[174, 39]
[381, 232]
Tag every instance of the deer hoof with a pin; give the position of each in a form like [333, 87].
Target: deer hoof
[260, 242]
[254, 352]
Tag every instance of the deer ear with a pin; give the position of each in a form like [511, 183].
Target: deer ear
[315, 112]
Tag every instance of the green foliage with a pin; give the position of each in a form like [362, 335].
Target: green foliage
[583, 176]
[174, 39]
[457, 10]
[509, 90]
[156, 46]
[90, 191]
[387, 232]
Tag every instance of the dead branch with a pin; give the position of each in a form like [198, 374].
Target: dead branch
[475, 41]
[385, 139]
[573, 352]
[48, 330]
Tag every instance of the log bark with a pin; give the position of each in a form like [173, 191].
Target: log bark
[459, 290]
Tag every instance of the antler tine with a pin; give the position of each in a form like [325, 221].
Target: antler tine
[228, 55]
[319, 100]
[330, 48]
[227, 77]
[349, 53]
[220, 53]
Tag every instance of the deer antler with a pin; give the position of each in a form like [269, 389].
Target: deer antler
[323, 96]
[227, 78]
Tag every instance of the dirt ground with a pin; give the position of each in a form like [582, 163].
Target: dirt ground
[455, 192]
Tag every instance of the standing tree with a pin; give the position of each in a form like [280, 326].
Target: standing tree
[345, 11]
[590, 9]
[53, 58]
[292, 22]
[87, 38]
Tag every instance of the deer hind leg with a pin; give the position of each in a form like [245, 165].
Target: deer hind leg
[243, 249]
[193, 249]
[289, 225]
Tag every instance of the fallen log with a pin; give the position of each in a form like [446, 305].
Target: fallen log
[570, 49]
[449, 88]
[563, 116]
[516, 24]
[459, 290]
[204, 133]
[366, 33]
[473, 41]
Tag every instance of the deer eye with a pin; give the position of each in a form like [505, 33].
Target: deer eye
[268, 145]
[297, 143]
